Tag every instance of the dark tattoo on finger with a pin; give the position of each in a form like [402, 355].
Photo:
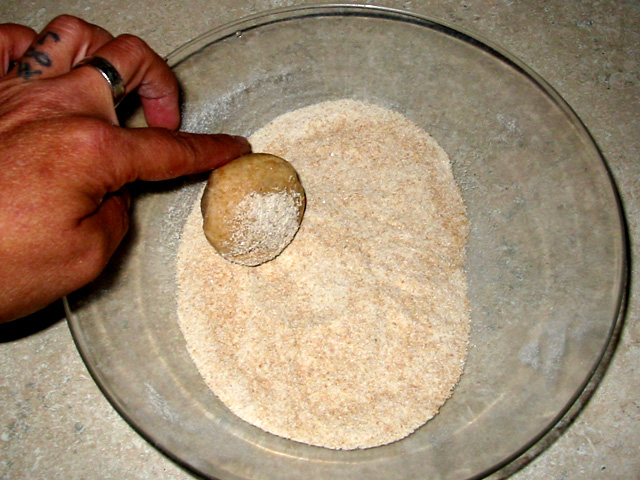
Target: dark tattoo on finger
[25, 69]
[41, 58]
[47, 34]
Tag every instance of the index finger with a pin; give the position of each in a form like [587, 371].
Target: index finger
[14, 41]
[161, 154]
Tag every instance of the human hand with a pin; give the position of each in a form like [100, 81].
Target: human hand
[65, 161]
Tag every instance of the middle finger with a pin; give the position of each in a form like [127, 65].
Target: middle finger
[144, 71]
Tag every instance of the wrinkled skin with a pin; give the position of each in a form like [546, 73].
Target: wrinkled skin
[65, 162]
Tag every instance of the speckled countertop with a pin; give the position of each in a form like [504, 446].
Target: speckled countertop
[55, 423]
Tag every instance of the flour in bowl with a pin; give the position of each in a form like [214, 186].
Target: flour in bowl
[357, 333]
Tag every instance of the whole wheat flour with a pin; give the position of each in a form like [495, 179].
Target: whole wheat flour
[357, 333]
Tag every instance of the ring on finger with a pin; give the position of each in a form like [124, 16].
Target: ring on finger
[110, 74]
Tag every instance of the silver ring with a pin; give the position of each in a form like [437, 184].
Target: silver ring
[109, 73]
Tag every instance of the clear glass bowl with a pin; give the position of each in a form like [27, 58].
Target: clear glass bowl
[547, 253]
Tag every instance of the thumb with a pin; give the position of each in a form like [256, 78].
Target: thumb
[102, 232]
[162, 154]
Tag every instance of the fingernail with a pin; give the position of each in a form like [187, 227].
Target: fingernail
[241, 139]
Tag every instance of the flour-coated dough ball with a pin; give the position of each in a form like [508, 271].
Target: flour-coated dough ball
[252, 208]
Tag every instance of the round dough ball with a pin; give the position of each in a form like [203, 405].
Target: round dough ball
[252, 208]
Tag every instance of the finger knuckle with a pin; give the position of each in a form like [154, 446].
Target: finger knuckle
[89, 137]
[69, 23]
[188, 153]
[98, 31]
[132, 43]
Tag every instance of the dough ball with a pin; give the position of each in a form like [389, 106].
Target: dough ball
[252, 208]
